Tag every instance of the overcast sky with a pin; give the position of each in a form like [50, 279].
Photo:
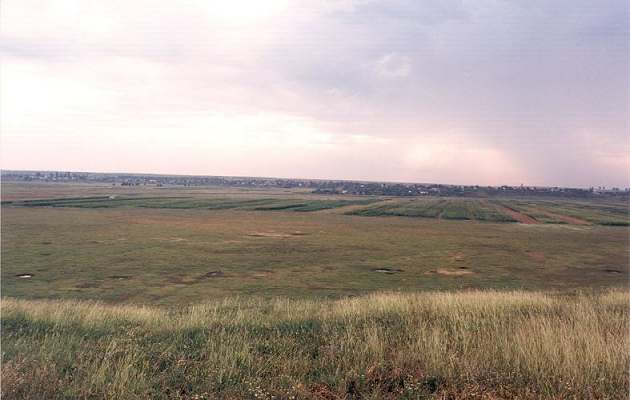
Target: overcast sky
[466, 92]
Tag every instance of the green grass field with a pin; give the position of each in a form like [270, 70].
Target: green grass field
[504, 210]
[214, 203]
[182, 245]
[203, 293]
[572, 212]
[171, 256]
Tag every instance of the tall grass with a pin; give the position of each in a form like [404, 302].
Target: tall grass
[480, 344]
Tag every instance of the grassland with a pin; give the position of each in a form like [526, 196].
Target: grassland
[170, 256]
[575, 212]
[498, 210]
[203, 293]
[185, 245]
[570, 212]
[220, 203]
[463, 345]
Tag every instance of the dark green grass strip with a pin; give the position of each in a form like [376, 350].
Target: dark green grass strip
[264, 204]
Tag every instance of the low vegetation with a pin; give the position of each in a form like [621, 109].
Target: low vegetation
[575, 212]
[504, 210]
[605, 211]
[186, 256]
[212, 203]
[205, 293]
[475, 344]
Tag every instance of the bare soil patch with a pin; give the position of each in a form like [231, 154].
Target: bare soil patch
[458, 257]
[262, 273]
[453, 271]
[268, 235]
[171, 239]
[519, 216]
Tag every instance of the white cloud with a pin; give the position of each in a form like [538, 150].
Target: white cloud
[393, 66]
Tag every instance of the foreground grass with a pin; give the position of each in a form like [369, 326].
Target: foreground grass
[477, 344]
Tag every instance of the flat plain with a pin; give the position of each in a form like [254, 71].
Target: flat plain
[213, 292]
[184, 245]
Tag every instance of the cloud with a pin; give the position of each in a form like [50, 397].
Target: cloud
[532, 92]
[393, 66]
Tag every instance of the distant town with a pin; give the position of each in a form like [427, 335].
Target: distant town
[320, 186]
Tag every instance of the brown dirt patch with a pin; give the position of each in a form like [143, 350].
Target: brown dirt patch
[268, 235]
[519, 216]
[458, 257]
[453, 271]
[264, 273]
[171, 239]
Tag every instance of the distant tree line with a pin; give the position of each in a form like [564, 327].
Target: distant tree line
[315, 185]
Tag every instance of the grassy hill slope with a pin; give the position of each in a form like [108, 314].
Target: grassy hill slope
[429, 345]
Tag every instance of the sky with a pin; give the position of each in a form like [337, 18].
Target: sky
[488, 92]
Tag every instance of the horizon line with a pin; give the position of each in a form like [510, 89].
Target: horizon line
[2, 171]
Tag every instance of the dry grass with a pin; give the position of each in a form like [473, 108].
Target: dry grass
[478, 344]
